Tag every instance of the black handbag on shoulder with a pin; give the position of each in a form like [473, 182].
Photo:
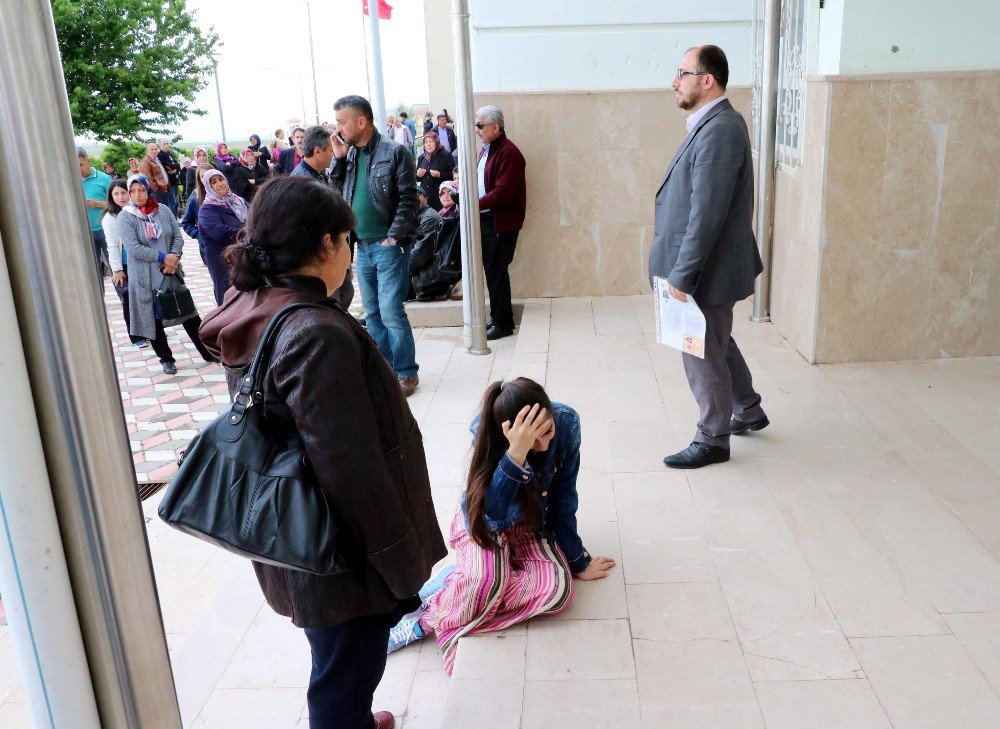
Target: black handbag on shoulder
[249, 489]
[175, 298]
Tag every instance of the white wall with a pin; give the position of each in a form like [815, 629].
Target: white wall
[929, 35]
[579, 45]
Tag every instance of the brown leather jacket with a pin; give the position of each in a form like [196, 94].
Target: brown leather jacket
[328, 381]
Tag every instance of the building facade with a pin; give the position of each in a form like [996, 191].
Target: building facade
[886, 194]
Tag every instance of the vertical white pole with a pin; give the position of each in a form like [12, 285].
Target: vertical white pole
[473, 276]
[62, 328]
[218, 93]
[312, 57]
[375, 54]
[765, 157]
[34, 579]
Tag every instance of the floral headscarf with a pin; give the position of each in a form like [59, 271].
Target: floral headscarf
[247, 159]
[195, 155]
[232, 201]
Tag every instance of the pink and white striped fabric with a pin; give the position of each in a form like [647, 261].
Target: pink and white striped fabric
[527, 575]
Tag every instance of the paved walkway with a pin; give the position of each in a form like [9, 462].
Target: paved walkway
[841, 571]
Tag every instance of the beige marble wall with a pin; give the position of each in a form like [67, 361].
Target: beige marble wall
[798, 223]
[910, 246]
[594, 163]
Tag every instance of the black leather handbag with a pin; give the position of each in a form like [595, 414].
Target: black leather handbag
[175, 298]
[249, 489]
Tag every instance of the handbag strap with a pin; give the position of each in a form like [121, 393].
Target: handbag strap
[250, 385]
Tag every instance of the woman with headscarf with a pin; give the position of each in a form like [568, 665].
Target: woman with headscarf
[118, 198]
[220, 218]
[433, 168]
[153, 245]
[189, 223]
[191, 176]
[225, 162]
[245, 175]
[262, 157]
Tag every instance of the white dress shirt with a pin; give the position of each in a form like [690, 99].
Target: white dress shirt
[694, 119]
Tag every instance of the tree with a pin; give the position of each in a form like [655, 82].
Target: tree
[132, 67]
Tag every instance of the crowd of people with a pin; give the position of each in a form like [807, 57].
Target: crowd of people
[278, 229]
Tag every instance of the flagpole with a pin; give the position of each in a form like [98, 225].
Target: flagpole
[375, 52]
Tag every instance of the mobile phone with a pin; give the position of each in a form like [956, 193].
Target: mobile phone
[340, 138]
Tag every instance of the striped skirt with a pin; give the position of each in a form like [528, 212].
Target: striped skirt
[527, 575]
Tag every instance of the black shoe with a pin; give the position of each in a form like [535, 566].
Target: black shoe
[169, 368]
[697, 455]
[497, 332]
[738, 427]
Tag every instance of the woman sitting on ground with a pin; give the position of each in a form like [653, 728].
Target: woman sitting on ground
[225, 162]
[515, 538]
[447, 193]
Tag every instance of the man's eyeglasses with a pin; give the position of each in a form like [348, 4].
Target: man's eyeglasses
[480, 125]
[681, 73]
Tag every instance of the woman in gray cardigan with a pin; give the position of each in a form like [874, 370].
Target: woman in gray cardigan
[154, 244]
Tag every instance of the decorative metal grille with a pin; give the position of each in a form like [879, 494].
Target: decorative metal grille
[791, 83]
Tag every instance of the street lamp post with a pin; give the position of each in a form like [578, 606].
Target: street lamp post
[312, 57]
[218, 92]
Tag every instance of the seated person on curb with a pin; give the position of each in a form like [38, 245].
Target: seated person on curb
[427, 281]
[515, 538]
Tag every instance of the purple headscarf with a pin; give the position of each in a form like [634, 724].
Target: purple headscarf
[232, 201]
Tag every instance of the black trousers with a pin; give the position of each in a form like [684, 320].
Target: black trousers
[498, 252]
[162, 349]
[348, 661]
[122, 292]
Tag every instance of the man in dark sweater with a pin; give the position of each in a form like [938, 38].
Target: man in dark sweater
[502, 200]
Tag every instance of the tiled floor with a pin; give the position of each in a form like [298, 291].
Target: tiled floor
[841, 571]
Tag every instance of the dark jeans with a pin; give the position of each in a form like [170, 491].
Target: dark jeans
[348, 661]
[173, 199]
[498, 252]
[100, 252]
[162, 349]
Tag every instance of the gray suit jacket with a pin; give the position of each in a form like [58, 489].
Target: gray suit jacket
[703, 243]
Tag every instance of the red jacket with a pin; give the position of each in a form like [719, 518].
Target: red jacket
[506, 192]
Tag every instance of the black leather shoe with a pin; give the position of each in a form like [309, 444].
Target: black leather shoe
[697, 455]
[738, 427]
[497, 332]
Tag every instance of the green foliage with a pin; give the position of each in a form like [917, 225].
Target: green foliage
[401, 107]
[132, 67]
[117, 153]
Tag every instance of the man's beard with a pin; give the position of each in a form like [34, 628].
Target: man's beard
[689, 102]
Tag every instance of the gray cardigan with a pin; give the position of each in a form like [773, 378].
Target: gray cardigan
[144, 266]
[703, 243]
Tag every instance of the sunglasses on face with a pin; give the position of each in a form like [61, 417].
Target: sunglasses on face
[480, 125]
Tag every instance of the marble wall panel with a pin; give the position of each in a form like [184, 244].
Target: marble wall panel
[933, 266]
[594, 164]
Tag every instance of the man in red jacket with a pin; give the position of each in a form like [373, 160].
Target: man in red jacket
[502, 196]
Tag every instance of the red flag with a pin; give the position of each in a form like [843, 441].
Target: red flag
[384, 9]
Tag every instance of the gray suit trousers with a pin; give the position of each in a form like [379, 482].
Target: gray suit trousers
[721, 383]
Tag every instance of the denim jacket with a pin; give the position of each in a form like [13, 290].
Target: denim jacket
[552, 477]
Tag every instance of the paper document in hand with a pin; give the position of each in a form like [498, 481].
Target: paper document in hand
[679, 324]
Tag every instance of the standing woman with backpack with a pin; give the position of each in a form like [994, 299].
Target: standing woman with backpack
[359, 436]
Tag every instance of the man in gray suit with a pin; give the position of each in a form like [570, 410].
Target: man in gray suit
[704, 246]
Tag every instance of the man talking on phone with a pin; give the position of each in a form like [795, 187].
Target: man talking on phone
[377, 178]
[704, 246]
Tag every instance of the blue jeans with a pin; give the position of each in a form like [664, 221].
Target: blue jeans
[384, 279]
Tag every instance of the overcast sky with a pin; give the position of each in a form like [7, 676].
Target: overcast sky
[265, 46]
